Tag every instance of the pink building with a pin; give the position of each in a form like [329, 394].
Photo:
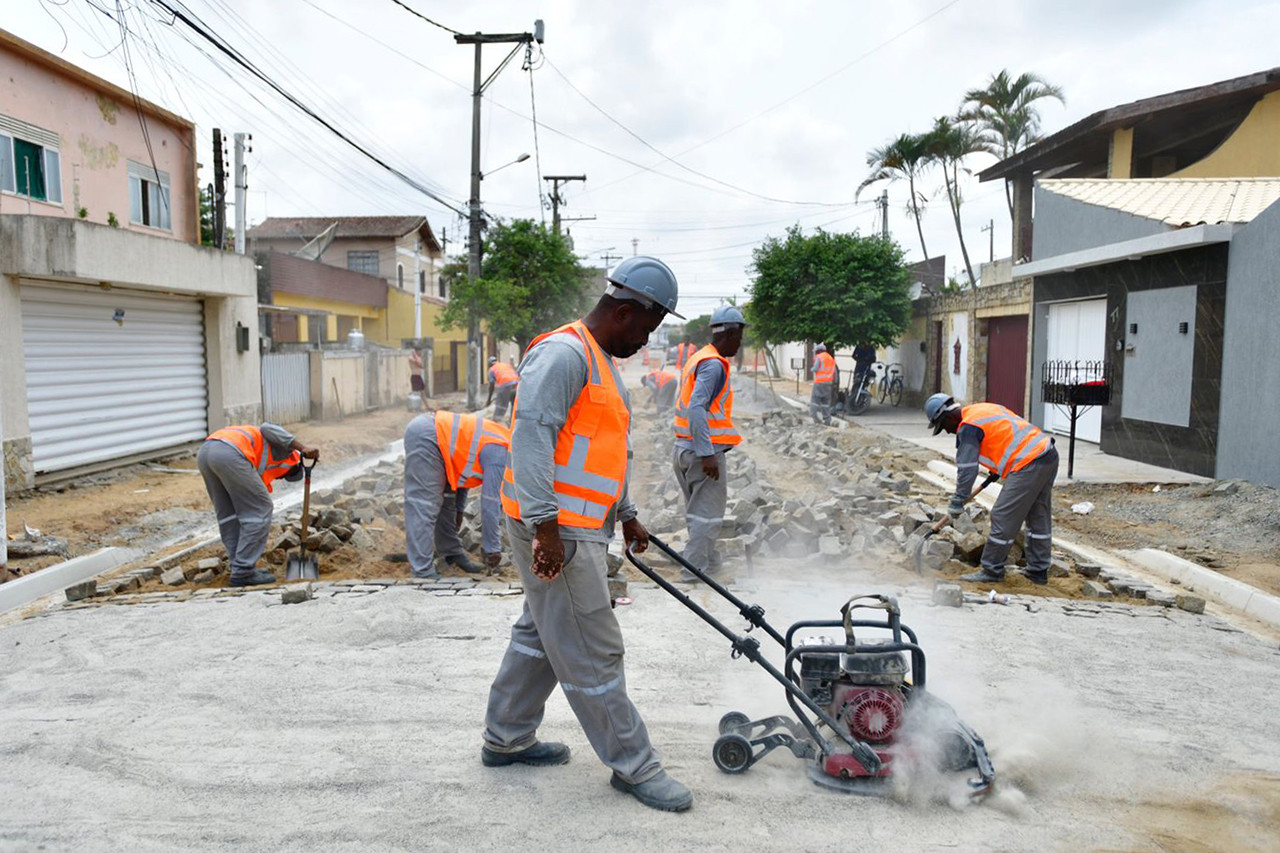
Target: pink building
[72, 145]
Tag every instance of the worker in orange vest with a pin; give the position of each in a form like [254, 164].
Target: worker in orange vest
[683, 351]
[565, 489]
[991, 436]
[704, 432]
[445, 455]
[822, 398]
[238, 464]
[502, 379]
[663, 384]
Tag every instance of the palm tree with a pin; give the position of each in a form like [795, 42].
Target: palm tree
[948, 144]
[905, 157]
[1006, 114]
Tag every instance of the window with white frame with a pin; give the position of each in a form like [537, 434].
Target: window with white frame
[30, 164]
[149, 203]
[365, 262]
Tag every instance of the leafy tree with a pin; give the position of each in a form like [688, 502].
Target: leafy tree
[697, 331]
[530, 282]
[905, 157]
[840, 288]
[948, 144]
[1006, 113]
[206, 217]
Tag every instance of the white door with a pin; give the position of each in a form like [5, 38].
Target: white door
[1077, 332]
[111, 373]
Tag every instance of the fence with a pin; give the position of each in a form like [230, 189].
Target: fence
[332, 383]
[286, 387]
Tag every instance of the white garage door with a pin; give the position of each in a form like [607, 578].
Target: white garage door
[1077, 332]
[110, 373]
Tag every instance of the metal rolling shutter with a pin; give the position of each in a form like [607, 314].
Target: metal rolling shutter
[111, 373]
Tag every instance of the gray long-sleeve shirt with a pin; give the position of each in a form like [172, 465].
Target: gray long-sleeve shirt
[707, 383]
[968, 447]
[493, 462]
[552, 377]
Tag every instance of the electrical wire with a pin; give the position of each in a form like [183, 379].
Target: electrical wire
[418, 14]
[537, 153]
[142, 122]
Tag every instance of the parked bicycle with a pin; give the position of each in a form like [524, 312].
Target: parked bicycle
[891, 383]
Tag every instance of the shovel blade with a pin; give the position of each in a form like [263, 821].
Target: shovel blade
[301, 568]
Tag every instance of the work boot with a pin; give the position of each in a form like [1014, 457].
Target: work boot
[254, 578]
[539, 755]
[660, 792]
[432, 575]
[462, 561]
[984, 575]
[1040, 578]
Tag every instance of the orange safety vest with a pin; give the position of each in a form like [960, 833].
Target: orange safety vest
[661, 377]
[503, 373]
[825, 370]
[720, 413]
[591, 449]
[682, 354]
[1009, 443]
[461, 438]
[249, 441]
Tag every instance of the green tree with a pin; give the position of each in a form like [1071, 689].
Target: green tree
[206, 217]
[949, 144]
[905, 157]
[697, 331]
[840, 288]
[530, 282]
[1006, 113]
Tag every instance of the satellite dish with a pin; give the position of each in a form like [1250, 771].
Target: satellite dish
[313, 250]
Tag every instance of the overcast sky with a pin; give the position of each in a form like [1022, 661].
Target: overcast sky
[763, 112]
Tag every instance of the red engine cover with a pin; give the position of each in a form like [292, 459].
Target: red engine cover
[872, 714]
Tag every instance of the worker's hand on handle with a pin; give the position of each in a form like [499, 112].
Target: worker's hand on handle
[635, 535]
[492, 559]
[548, 551]
[710, 466]
[306, 450]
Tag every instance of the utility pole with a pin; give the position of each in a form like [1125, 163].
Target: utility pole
[635, 246]
[219, 200]
[557, 199]
[473, 205]
[883, 204]
[241, 178]
[607, 259]
[990, 228]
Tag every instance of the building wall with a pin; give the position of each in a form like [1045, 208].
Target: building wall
[1250, 151]
[99, 133]
[1065, 225]
[1249, 431]
[1192, 448]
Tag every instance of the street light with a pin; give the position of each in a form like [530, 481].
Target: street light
[519, 159]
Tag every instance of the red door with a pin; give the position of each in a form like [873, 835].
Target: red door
[1007, 361]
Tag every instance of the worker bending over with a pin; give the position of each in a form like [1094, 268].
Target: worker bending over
[564, 491]
[822, 399]
[704, 433]
[238, 464]
[991, 436]
[663, 384]
[445, 455]
[503, 380]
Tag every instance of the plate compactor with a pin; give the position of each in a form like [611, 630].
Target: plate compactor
[861, 707]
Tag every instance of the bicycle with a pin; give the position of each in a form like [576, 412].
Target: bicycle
[891, 383]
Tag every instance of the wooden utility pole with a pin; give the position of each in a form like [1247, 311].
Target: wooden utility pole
[219, 200]
[557, 199]
[990, 228]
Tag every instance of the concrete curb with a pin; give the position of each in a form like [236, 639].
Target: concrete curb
[59, 576]
[1154, 564]
[838, 421]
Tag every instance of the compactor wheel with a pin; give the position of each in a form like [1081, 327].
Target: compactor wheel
[732, 720]
[732, 753]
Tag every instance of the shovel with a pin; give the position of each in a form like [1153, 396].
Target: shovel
[301, 567]
[936, 527]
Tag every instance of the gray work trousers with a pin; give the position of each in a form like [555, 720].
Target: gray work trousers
[430, 509]
[820, 401]
[1025, 495]
[240, 501]
[568, 634]
[503, 396]
[704, 500]
[665, 397]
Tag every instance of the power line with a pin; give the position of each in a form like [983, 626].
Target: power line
[418, 14]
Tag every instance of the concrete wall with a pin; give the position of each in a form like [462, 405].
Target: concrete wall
[1065, 225]
[99, 132]
[1248, 430]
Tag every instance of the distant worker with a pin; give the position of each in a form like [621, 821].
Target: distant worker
[238, 464]
[704, 432]
[864, 355]
[683, 351]
[564, 491]
[503, 380]
[663, 384]
[416, 384]
[445, 455]
[990, 435]
[822, 399]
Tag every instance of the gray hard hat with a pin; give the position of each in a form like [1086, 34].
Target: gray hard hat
[493, 360]
[935, 406]
[727, 315]
[646, 280]
[820, 348]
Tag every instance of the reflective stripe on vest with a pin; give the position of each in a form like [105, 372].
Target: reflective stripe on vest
[503, 373]
[461, 438]
[824, 369]
[719, 413]
[1009, 443]
[591, 448]
[249, 441]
